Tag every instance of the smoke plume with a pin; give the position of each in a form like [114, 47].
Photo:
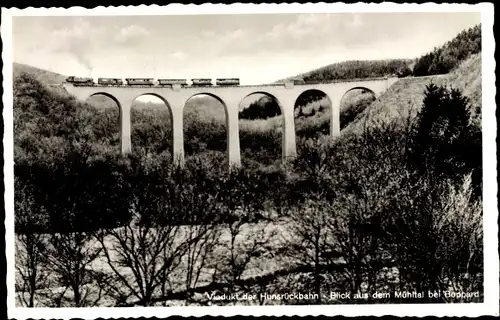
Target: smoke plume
[77, 40]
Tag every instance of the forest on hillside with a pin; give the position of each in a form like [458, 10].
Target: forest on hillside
[359, 69]
[447, 57]
[440, 60]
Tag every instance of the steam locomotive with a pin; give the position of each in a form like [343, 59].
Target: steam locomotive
[201, 82]
[228, 82]
[80, 81]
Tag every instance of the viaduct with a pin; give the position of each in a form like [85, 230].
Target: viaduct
[175, 98]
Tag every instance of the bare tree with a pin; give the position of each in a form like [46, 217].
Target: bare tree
[72, 257]
[460, 228]
[203, 240]
[439, 237]
[242, 244]
[337, 229]
[309, 238]
[141, 259]
[30, 247]
[30, 274]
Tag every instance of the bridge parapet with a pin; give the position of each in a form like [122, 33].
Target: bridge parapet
[391, 81]
[299, 82]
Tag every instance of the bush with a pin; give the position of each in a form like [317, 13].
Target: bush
[354, 107]
[202, 135]
[436, 232]
[264, 147]
[264, 108]
[78, 195]
[445, 142]
[151, 130]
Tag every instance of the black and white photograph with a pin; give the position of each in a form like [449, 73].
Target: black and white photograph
[187, 159]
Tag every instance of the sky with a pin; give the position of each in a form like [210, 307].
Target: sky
[257, 48]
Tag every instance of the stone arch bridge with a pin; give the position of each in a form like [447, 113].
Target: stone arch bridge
[176, 97]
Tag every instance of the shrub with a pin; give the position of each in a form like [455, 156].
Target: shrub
[78, 195]
[151, 130]
[264, 146]
[354, 107]
[436, 232]
[201, 135]
[445, 141]
[265, 107]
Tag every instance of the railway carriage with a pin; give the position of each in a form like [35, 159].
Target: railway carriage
[110, 81]
[228, 82]
[171, 82]
[202, 82]
[140, 81]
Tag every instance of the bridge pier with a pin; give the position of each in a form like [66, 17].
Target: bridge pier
[233, 131]
[177, 122]
[287, 104]
[335, 115]
[125, 124]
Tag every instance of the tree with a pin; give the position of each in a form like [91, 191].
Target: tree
[265, 107]
[31, 276]
[71, 257]
[444, 141]
[309, 241]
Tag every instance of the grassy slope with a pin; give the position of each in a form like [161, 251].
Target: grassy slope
[44, 76]
[407, 94]
[52, 79]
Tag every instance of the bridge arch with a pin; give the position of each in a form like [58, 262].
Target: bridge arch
[212, 95]
[151, 122]
[261, 133]
[108, 95]
[312, 113]
[265, 94]
[354, 101]
[204, 123]
[359, 88]
[156, 95]
[109, 123]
